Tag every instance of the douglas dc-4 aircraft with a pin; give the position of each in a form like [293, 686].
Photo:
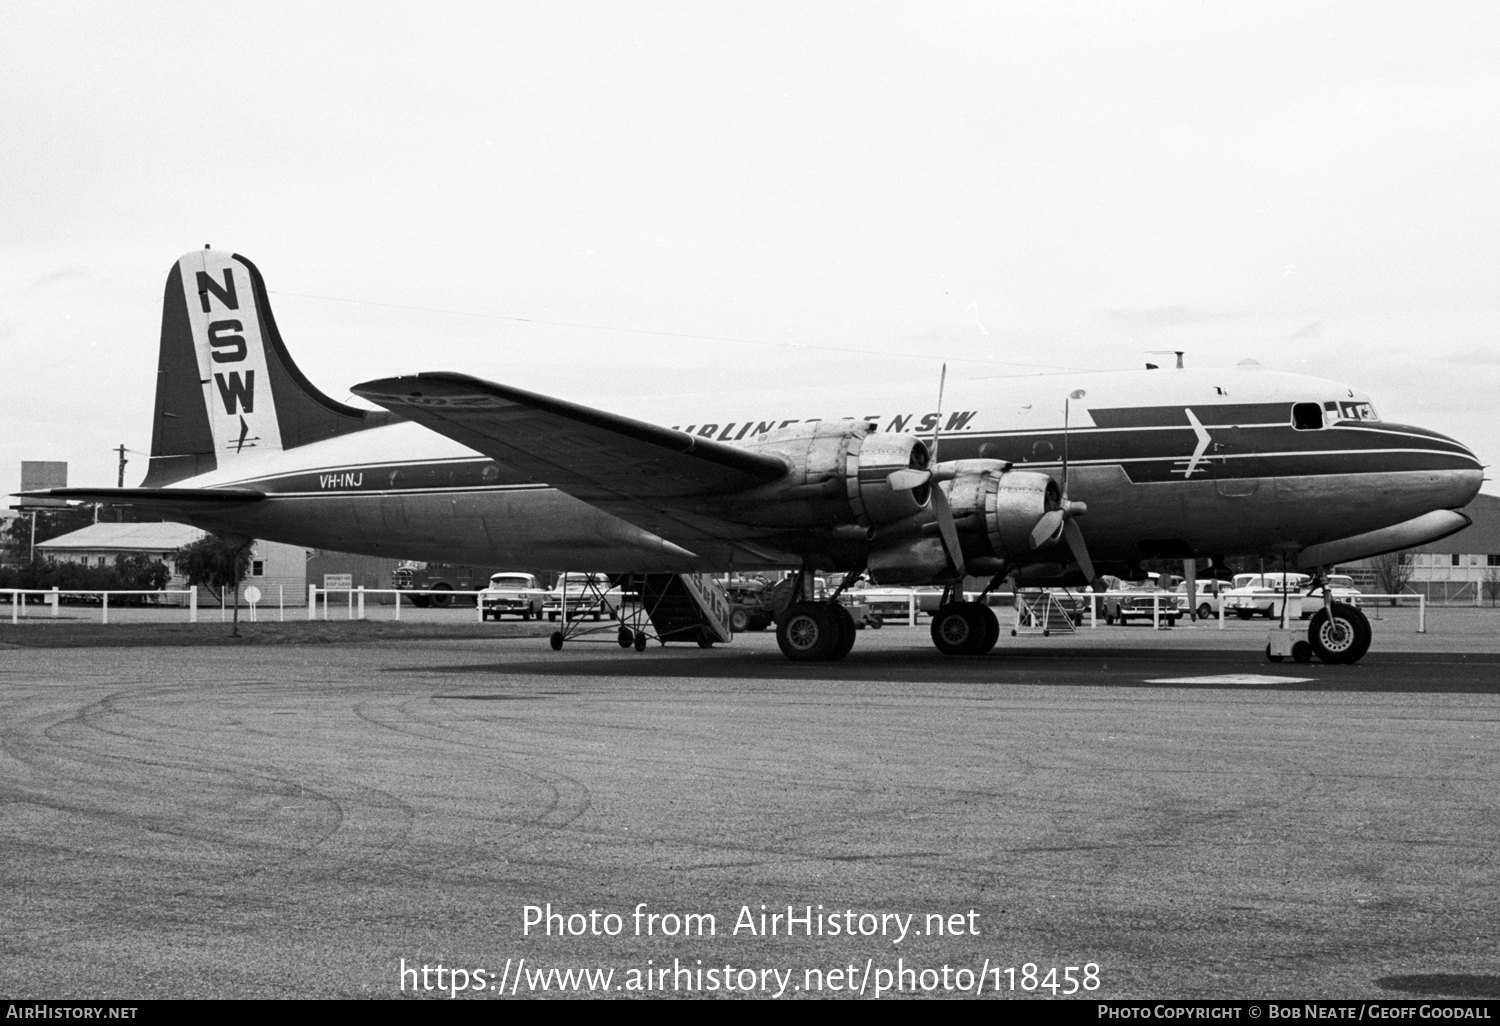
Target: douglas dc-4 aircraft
[1053, 479]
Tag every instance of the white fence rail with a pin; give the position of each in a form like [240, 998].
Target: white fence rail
[356, 599]
[54, 597]
[17, 597]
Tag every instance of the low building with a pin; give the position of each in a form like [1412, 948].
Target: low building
[278, 570]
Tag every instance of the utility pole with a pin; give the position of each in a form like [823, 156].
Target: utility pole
[119, 483]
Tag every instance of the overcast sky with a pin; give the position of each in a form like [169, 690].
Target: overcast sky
[1023, 186]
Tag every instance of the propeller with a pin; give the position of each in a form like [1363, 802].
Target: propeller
[940, 507]
[1069, 509]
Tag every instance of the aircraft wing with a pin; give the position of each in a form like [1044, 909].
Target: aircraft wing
[643, 473]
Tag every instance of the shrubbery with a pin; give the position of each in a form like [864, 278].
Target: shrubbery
[128, 573]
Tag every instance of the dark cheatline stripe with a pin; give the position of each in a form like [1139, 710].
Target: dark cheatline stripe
[1207, 414]
[1181, 442]
[1298, 465]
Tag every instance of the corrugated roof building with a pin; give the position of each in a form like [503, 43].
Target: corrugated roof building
[278, 570]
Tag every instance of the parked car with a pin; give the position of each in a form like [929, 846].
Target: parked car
[895, 603]
[587, 595]
[514, 594]
[1209, 594]
[1140, 600]
[1262, 595]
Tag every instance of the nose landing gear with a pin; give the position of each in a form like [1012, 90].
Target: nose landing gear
[1339, 633]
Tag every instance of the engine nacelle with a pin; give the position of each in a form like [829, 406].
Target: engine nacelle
[995, 510]
[836, 475]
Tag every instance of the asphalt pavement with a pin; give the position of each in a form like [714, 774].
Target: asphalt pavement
[1173, 820]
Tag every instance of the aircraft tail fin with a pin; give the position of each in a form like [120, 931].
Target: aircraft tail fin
[226, 387]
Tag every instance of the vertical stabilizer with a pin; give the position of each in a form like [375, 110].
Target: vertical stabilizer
[226, 388]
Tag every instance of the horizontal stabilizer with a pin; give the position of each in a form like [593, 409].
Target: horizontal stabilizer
[154, 498]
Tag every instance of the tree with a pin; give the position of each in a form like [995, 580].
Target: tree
[1393, 572]
[217, 562]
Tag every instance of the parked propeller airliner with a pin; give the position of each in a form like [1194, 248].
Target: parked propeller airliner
[1053, 479]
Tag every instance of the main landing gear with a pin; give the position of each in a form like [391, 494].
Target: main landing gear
[815, 631]
[962, 628]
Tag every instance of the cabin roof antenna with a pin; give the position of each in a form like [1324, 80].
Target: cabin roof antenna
[1165, 352]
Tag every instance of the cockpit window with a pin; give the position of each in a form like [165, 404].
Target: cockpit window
[1307, 416]
[1349, 409]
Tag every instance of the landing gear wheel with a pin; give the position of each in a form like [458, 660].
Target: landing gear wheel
[557, 641]
[625, 637]
[847, 633]
[958, 629]
[1302, 652]
[807, 632]
[991, 629]
[640, 641]
[1343, 637]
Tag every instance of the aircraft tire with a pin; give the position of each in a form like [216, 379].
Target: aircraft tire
[847, 633]
[557, 641]
[958, 629]
[1339, 634]
[991, 628]
[807, 632]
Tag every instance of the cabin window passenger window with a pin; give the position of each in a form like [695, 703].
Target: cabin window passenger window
[1307, 416]
[1456, 560]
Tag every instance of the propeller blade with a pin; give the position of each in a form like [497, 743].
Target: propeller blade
[1046, 528]
[944, 514]
[1065, 454]
[1079, 549]
[942, 383]
[906, 479]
